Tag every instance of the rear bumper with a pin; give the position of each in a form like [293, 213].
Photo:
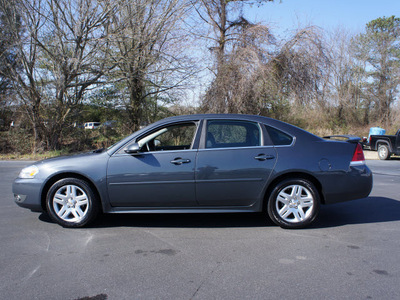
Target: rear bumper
[356, 183]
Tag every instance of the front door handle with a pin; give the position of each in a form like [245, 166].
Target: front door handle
[262, 157]
[178, 161]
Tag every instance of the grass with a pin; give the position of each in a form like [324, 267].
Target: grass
[33, 156]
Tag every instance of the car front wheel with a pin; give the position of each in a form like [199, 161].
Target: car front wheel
[71, 202]
[293, 203]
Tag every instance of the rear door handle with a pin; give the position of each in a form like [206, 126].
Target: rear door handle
[262, 157]
[178, 161]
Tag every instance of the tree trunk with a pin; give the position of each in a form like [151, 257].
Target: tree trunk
[137, 92]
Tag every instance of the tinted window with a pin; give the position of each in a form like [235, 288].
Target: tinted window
[223, 134]
[278, 137]
[175, 137]
[180, 136]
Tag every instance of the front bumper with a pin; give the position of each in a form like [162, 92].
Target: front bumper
[27, 193]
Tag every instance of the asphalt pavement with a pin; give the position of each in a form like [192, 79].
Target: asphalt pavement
[350, 252]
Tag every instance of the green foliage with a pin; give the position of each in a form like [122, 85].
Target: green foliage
[389, 26]
[379, 49]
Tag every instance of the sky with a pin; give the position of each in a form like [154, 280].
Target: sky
[353, 15]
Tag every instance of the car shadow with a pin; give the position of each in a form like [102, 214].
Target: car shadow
[184, 220]
[363, 211]
[221, 220]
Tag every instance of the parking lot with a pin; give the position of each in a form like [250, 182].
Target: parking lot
[350, 252]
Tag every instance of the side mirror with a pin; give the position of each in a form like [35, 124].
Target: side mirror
[133, 149]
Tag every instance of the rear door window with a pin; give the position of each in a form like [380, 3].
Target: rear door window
[232, 134]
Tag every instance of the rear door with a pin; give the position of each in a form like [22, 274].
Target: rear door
[233, 164]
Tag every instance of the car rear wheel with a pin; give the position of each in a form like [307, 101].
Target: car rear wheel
[383, 152]
[71, 202]
[293, 203]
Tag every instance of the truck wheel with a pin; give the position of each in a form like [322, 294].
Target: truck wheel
[383, 152]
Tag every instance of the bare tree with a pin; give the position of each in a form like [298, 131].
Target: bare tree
[23, 73]
[8, 53]
[8, 58]
[241, 81]
[262, 76]
[72, 45]
[61, 51]
[300, 66]
[345, 81]
[226, 21]
[147, 52]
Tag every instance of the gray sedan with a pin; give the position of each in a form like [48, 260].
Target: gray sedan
[201, 164]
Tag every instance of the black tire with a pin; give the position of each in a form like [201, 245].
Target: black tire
[383, 152]
[71, 203]
[293, 203]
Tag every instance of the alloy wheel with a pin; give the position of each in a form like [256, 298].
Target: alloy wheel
[294, 203]
[71, 203]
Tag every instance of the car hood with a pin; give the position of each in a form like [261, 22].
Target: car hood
[79, 156]
[91, 165]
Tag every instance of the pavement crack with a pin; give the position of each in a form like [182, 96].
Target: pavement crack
[160, 238]
[205, 280]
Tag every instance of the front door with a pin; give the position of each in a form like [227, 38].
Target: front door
[160, 175]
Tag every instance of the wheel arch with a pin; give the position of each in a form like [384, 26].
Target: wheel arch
[60, 176]
[383, 142]
[293, 175]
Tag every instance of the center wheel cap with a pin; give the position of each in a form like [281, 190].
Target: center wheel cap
[294, 203]
[71, 203]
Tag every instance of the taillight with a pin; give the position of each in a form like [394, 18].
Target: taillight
[358, 156]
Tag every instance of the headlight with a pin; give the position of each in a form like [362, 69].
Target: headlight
[29, 172]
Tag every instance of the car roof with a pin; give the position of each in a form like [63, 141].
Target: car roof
[288, 128]
[292, 129]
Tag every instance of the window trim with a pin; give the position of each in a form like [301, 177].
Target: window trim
[193, 146]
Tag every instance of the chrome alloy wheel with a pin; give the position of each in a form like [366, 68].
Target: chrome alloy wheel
[295, 203]
[70, 203]
[383, 152]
